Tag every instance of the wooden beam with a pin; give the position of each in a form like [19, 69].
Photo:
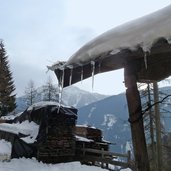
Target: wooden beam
[135, 118]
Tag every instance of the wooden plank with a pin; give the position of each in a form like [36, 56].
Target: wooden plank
[102, 152]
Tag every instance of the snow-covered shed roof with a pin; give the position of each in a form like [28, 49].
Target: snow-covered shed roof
[144, 41]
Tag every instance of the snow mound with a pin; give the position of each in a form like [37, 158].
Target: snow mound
[5, 150]
[5, 147]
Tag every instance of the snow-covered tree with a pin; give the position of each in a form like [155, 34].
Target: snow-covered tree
[30, 93]
[7, 88]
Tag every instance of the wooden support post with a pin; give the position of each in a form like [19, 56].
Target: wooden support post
[136, 119]
[153, 155]
[158, 128]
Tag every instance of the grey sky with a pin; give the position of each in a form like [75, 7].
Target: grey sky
[38, 33]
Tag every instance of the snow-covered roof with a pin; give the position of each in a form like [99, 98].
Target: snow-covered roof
[143, 31]
[30, 129]
[44, 104]
[107, 51]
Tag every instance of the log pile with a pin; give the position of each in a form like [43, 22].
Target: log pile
[93, 139]
[59, 142]
[89, 132]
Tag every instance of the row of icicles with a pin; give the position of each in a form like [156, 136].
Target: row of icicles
[93, 67]
[61, 81]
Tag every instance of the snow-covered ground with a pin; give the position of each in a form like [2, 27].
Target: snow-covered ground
[33, 165]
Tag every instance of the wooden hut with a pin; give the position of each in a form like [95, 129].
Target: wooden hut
[142, 47]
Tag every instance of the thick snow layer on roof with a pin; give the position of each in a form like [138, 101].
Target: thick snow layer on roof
[27, 128]
[141, 32]
[44, 104]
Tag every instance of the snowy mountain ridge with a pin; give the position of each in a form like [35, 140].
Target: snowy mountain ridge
[71, 96]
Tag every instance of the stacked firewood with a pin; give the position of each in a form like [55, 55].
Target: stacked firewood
[89, 132]
[89, 138]
[59, 143]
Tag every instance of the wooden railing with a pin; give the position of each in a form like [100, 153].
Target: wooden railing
[106, 158]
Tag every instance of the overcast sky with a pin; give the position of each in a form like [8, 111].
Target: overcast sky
[38, 33]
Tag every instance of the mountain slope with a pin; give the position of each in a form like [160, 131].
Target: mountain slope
[71, 96]
[110, 115]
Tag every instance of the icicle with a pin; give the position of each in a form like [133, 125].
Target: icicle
[145, 60]
[60, 86]
[82, 74]
[93, 71]
[70, 78]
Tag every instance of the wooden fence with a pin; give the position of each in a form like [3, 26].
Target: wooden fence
[105, 158]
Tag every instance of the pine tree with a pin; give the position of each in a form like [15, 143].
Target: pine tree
[7, 88]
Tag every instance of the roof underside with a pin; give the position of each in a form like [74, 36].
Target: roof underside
[143, 43]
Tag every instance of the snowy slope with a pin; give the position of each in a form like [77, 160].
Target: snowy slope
[111, 116]
[73, 96]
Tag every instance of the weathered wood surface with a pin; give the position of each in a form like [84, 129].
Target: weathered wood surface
[58, 144]
[135, 118]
